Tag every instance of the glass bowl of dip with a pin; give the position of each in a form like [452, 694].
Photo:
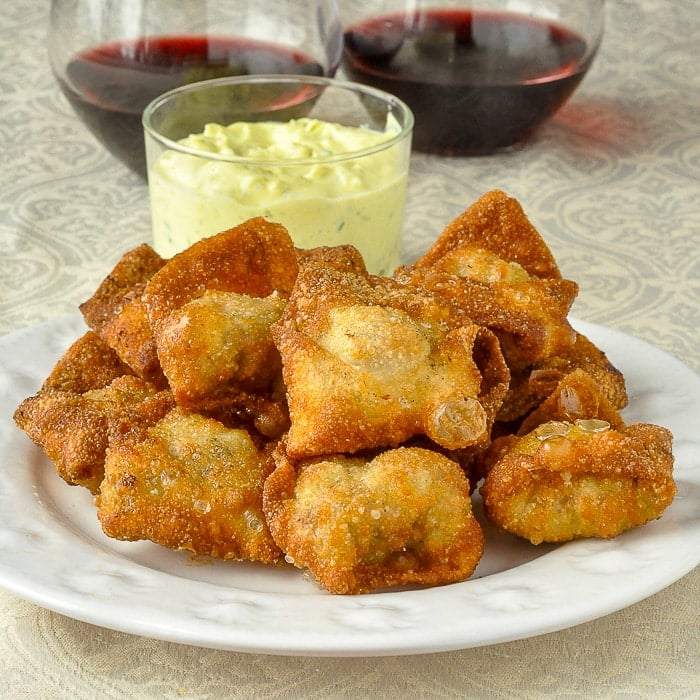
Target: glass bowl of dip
[327, 159]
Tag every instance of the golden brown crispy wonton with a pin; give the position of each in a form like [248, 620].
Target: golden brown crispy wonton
[368, 362]
[564, 480]
[72, 428]
[116, 313]
[219, 345]
[358, 524]
[210, 308]
[528, 313]
[493, 264]
[255, 258]
[496, 222]
[89, 363]
[188, 483]
[577, 396]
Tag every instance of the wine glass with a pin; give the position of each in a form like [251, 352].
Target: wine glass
[112, 57]
[480, 75]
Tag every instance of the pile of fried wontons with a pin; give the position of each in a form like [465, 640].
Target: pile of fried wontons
[249, 400]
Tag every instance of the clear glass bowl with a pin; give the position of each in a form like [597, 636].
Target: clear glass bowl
[327, 159]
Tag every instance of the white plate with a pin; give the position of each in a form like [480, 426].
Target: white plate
[53, 551]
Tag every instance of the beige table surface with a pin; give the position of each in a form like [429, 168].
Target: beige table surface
[613, 183]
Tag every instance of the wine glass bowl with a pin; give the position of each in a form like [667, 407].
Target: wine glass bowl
[479, 76]
[111, 58]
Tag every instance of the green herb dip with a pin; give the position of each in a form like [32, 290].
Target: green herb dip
[304, 173]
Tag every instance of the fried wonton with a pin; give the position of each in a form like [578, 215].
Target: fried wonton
[255, 258]
[577, 396]
[497, 223]
[368, 363]
[130, 333]
[528, 313]
[89, 363]
[188, 483]
[583, 354]
[345, 258]
[493, 264]
[116, 313]
[133, 269]
[564, 480]
[218, 345]
[359, 524]
[72, 428]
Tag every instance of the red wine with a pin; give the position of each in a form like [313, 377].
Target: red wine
[109, 85]
[477, 81]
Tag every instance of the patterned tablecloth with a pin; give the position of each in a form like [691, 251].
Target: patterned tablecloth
[612, 182]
